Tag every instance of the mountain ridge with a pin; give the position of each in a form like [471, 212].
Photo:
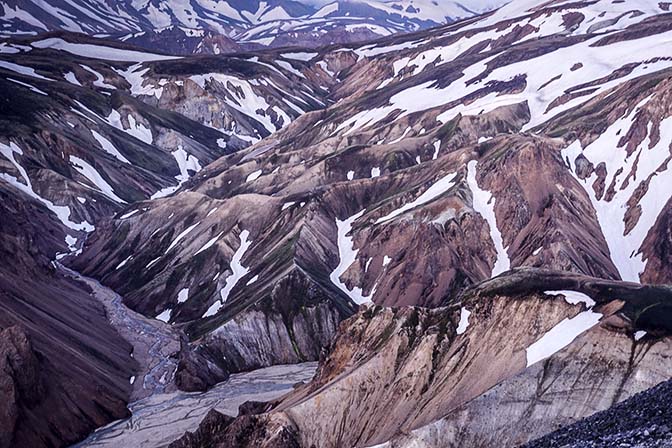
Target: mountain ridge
[477, 210]
[224, 26]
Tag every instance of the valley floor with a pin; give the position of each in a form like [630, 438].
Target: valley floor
[154, 342]
[163, 418]
[161, 413]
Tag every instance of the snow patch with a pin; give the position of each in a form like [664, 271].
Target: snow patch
[347, 256]
[484, 204]
[253, 176]
[437, 189]
[238, 271]
[561, 336]
[100, 79]
[72, 79]
[464, 321]
[186, 162]
[299, 56]
[437, 147]
[183, 295]
[165, 316]
[573, 297]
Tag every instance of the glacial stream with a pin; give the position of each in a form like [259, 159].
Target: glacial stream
[161, 413]
[162, 418]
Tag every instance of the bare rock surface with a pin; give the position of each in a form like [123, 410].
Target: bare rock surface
[408, 376]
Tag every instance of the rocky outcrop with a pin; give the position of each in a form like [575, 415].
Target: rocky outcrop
[247, 431]
[599, 369]
[428, 375]
[208, 433]
[21, 382]
[195, 372]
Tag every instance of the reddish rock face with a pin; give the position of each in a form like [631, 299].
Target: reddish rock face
[413, 374]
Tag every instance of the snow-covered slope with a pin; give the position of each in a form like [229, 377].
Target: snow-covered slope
[201, 25]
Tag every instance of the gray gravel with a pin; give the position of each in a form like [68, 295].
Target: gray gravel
[643, 421]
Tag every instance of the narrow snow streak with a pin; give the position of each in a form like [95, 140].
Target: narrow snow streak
[347, 255]
[437, 189]
[129, 214]
[252, 280]
[108, 147]
[61, 211]
[88, 171]
[209, 244]
[573, 297]
[99, 51]
[184, 233]
[561, 336]
[123, 263]
[238, 271]
[484, 204]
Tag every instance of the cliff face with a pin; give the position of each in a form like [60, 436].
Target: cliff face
[443, 377]
[20, 380]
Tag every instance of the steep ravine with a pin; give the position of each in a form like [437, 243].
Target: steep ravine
[160, 413]
[155, 344]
